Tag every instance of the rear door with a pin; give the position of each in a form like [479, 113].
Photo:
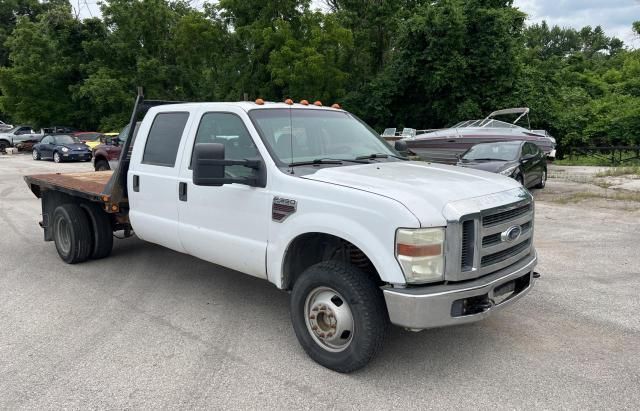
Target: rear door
[227, 225]
[152, 180]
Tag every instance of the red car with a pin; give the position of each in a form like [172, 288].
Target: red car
[107, 154]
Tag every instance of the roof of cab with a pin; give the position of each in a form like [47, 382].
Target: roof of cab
[244, 105]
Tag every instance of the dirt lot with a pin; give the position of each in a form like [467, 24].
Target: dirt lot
[150, 328]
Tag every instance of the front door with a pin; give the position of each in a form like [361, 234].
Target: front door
[226, 225]
[45, 147]
[152, 180]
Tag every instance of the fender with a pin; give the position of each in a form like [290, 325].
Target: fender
[367, 239]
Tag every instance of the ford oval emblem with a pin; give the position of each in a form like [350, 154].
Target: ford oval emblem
[511, 234]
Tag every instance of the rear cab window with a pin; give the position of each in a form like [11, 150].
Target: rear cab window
[163, 141]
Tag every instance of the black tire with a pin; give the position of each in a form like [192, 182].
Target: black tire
[101, 165]
[101, 231]
[364, 301]
[36, 154]
[543, 179]
[71, 233]
[4, 145]
[57, 157]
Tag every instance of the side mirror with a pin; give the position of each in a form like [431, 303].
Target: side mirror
[401, 146]
[209, 167]
[527, 157]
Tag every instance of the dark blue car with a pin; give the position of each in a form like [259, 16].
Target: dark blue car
[61, 147]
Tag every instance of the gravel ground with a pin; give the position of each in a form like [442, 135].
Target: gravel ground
[151, 328]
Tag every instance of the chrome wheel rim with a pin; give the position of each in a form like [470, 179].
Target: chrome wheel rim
[35, 154]
[56, 157]
[63, 235]
[544, 178]
[329, 319]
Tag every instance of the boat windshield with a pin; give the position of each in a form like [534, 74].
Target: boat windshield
[502, 151]
[303, 135]
[497, 124]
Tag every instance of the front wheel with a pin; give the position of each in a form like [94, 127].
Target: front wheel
[339, 315]
[57, 157]
[36, 154]
[101, 165]
[520, 179]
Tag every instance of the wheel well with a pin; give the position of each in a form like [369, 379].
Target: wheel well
[312, 248]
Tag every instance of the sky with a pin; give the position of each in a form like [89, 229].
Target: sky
[615, 16]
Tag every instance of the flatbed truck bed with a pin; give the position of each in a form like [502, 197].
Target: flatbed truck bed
[89, 185]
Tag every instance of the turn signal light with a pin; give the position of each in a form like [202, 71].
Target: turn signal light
[336, 105]
[259, 101]
[304, 102]
[317, 103]
[288, 101]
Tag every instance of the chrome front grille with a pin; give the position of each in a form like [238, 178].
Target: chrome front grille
[480, 244]
[508, 215]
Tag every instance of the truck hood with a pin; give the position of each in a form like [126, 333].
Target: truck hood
[424, 188]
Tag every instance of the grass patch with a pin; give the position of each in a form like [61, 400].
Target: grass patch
[620, 171]
[602, 161]
[588, 195]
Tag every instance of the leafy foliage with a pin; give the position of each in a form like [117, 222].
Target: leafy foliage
[416, 63]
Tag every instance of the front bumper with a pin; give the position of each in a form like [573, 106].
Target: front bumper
[452, 304]
[77, 156]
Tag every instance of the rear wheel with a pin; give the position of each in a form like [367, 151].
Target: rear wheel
[57, 157]
[3, 145]
[543, 180]
[102, 231]
[339, 315]
[36, 154]
[101, 165]
[71, 233]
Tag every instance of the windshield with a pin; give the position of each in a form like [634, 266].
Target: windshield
[493, 151]
[65, 140]
[90, 136]
[300, 135]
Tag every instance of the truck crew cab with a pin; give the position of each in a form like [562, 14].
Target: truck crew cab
[312, 200]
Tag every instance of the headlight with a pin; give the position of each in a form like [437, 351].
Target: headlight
[508, 171]
[65, 149]
[420, 253]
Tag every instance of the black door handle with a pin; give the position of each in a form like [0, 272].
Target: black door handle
[136, 183]
[182, 191]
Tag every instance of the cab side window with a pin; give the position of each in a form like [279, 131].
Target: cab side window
[229, 130]
[47, 140]
[164, 137]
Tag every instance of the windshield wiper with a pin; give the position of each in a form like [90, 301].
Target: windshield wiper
[378, 155]
[484, 159]
[317, 161]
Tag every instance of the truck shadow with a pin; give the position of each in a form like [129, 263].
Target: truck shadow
[236, 303]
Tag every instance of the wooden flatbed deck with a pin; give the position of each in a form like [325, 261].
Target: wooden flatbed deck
[89, 185]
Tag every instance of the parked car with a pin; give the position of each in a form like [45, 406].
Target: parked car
[61, 147]
[91, 138]
[106, 155]
[22, 137]
[520, 160]
[4, 126]
[360, 236]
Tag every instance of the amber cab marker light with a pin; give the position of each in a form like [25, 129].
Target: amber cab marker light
[317, 103]
[336, 105]
[304, 102]
[259, 101]
[288, 101]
